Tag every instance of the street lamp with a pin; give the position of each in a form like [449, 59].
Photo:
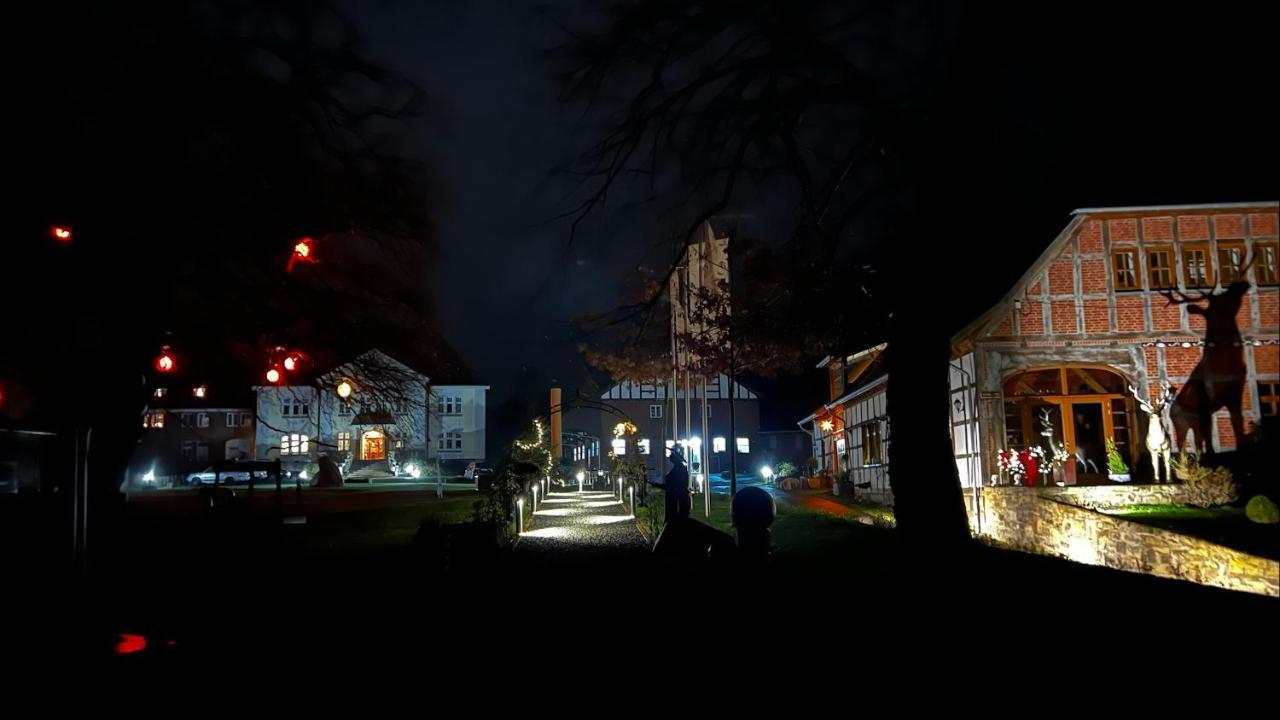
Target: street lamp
[344, 389]
[273, 376]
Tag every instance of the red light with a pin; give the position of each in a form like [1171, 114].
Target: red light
[273, 375]
[165, 363]
[130, 644]
[61, 233]
[302, 252]
[290, 363]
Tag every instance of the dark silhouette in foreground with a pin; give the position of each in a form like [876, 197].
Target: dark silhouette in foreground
[676, 487]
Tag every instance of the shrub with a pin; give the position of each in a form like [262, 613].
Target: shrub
[1262, 510]
[786, 469]
[1205, 486]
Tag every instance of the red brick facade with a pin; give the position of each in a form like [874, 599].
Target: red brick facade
[1076, 300]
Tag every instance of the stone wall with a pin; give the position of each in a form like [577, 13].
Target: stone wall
[1106, 497]
[1032, 519]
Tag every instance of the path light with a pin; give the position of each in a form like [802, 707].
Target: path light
[520, 515]
[766, 472]
[581, 477]
[632, 491]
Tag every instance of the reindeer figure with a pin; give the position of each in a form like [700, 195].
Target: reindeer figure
[1157, 438]
[1218, 380]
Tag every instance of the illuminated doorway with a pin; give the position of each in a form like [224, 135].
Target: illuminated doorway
[373, 446]
[1085, 406]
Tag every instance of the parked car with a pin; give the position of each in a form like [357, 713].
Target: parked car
[206, 476]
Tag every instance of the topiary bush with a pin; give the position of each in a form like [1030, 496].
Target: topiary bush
[1262, 510]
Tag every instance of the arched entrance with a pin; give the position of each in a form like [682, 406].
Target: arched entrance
[373, 445]
[1085, 405]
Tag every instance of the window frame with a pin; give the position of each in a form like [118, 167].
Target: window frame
[1270, 399]
[1227, 247]
[344, 441]
[1268, 265]
[1210, 279]
[1134, 279]
[872, 437]
[655, 408]
[1169, 271]
[743, 446]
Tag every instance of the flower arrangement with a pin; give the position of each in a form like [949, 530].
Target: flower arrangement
[1026, 466]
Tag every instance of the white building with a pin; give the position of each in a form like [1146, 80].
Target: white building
[391, 416]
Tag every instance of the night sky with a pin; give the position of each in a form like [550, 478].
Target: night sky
[507, 284]
[1107, 102]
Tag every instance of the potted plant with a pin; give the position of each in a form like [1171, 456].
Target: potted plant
[1117, 470]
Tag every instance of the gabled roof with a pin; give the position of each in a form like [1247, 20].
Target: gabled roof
[991, 317]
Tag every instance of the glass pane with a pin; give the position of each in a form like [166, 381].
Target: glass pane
[1093, 381]
[1034, 382]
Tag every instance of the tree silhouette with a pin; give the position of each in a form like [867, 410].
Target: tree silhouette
[189, 145]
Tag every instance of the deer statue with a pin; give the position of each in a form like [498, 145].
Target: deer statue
[1046, 429]
[1218, 380]
[1157, 438]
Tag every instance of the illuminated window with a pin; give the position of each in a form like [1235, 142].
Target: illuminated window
[642, 446]
[1269, 397]
[199, 391]
[344, 441]
[153, 419]
[294, 444]
[1197, 267]
[619, 447]
[717, 444]
[294, 407]
[202, 420]
[744, 445]
[161, 392]
[1160, 269]
[872, 446]
[655, 412]
[1266, 270]
[1230, 260]
[671, 444]
[1124, 264]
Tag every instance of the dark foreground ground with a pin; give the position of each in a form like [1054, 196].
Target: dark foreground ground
[382, 580]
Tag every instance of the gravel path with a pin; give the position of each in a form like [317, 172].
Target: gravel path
[573, 530]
